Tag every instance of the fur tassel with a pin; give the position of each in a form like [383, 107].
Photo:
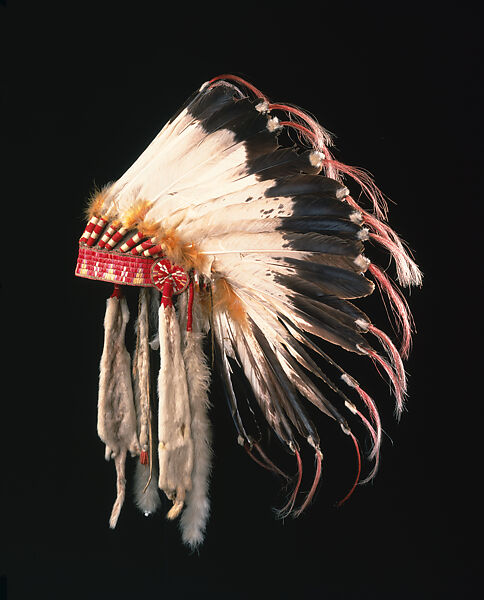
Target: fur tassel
[175, 449]
[116, 412]
[120, 462]
[194, 518]
[145, 480]
[146, 494]
[141, 371]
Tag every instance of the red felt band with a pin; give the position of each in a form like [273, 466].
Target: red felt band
[166, 299]
[89, 227]
[117, 236]
[134, 240]
[99, 226]
[143, 458]
[190, 306]
[156, 249]
[144, 246]
[117, 292]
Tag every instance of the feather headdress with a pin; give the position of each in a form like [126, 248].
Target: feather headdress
[229, 232]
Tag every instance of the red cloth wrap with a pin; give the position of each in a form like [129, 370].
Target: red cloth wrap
[190, 306]
[167, 297]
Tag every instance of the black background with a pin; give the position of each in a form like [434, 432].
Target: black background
[84, 92]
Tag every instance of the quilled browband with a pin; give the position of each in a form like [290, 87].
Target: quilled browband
[132, 262]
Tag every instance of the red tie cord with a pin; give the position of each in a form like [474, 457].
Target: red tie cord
[399, 307]
[317, 477]
[143, 458]
[117, 292]
[237, 79]
[269, 462]
[266, 462]
[304, 130]
[285, 510]
[355, 442]
[166, 299]
[190, 306]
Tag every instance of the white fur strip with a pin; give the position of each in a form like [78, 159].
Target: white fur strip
[174, 422]
[116, 412]
[141, 369]
[195, 516]
[119, 461]
[147, 498]
[146, 494]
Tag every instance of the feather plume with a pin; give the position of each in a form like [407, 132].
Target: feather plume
[225, 300]
[135, 213]
[224, 353]
[96, 202]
